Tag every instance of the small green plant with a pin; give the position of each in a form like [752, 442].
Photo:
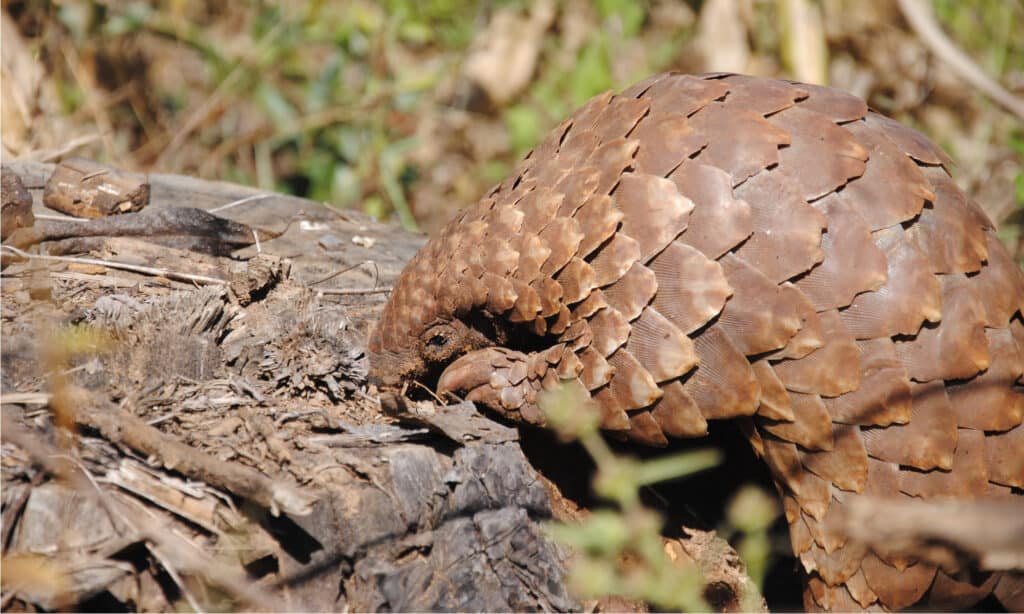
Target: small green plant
[621, 551]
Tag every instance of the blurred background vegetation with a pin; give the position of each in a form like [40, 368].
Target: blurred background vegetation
[413, 108]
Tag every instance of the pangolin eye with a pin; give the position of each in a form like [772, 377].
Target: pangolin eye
[440, 341]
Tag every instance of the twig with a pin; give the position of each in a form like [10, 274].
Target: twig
[339, 272]
[439, 400]
[124, 266]
[240, 201]
[355, 291]
[102, 280]
[921, 18]
[25, 398]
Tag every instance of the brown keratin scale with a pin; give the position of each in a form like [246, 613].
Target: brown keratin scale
[730, 247]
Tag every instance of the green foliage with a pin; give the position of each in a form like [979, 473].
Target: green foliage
[525, 127]
[750, 513]
[1016, 142]
[620, 550]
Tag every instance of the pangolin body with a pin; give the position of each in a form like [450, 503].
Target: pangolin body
[723, 246]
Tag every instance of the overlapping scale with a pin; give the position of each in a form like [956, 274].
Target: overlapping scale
[955, 347]
[691, 288]
[822, 164]
[846, 464]
[830, 370]
[666, 142]
[968, 477]
[683, 94]
[775, 403]
[927, 441]
[616, 256]
[884, 396]
[746, 92]
[950, 233]
[909, 141]
[910, 295]
[1000, 282]
[893, 189]
[786, 238]
[759, 317]
[677, 413]
[1004, 454]
[852, 263]
[990, 402]
[897, 590]
[723, 385]
[654, 212]
[837, 105]
[663, 350]
[719, 221]
[753, 148]
[811, 427]
[633, 291]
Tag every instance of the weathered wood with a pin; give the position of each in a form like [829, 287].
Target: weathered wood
[83, 188]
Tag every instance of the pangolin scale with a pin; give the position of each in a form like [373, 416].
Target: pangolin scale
[730, 247]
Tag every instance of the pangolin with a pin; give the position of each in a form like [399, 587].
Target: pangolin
[722, 247]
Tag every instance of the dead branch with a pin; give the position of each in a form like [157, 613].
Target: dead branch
[120, 427]
[355, 291]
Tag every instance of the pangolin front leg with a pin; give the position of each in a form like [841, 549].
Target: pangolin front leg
[510, 382]
[719, 247]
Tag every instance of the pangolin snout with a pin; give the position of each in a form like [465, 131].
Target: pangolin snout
[467, 373]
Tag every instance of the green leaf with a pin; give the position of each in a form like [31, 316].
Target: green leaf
[676, 466]
[281, 111]
[392, 167]
[751, 509]
[320, 92]
[592, 74]
[629, 12]
[603, 533]
[524, 128]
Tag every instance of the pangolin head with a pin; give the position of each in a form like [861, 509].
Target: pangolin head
[428, 321]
